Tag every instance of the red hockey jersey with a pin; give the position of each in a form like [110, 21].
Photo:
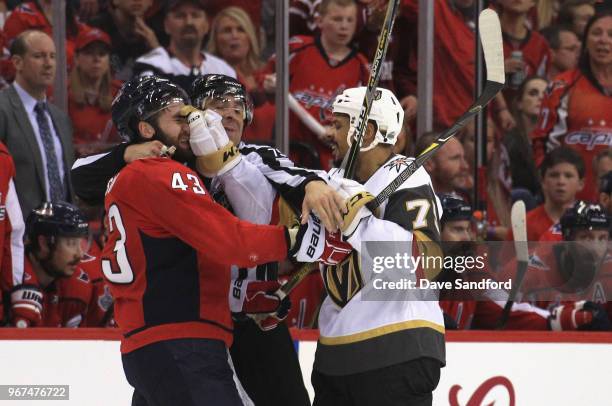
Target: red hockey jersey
[315, 83]
[169, 253]
[66, 300]
[576, 113]
[538, 222]
[11, 227]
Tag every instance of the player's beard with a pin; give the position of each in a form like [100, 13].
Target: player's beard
[50, 269]
[182, 154]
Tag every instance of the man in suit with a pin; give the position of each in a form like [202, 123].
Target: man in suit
[36, 133]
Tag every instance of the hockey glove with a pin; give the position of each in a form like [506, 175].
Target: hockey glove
[215, 153]
[26, 306]
[357, 197]
[581, 315]
[200, 137]
[266, 304]
[307, 242]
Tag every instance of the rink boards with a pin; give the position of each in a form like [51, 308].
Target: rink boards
[507, 368]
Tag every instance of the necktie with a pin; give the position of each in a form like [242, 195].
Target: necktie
[56, 186]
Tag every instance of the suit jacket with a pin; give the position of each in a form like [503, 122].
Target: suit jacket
[17, 134]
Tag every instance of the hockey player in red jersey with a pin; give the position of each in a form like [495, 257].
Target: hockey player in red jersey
[577, 110]
[572, 278]
[322, 67]
[11, 228]
[168, 261]
[55, 291]
[461, 312]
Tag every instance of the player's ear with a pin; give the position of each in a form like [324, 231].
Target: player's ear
[146, 130]
[369, 135]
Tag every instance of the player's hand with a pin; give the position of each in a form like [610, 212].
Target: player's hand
[266, 304]
[149, 149]
[581, 315]
[324, 202]
[355, 205]
[26, 306]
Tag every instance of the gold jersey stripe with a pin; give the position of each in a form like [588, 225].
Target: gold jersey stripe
[380, 331]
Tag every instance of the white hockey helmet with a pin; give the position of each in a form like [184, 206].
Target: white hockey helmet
[386, 111]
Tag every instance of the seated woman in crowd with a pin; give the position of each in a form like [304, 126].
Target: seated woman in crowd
[91, 91]
[233, 38]
[525, 110]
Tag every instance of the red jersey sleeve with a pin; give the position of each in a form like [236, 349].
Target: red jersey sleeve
[183, 208]
[12, 226]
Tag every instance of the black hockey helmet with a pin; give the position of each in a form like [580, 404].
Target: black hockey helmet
[454, 209]
[583, 215]
[217, 86]
[141, 98]
[57, 219]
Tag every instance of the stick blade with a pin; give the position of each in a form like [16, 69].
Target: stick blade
[518, 217]
[492, 45]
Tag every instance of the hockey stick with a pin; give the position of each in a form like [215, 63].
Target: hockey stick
[309, 121]
[518, 217]
[492, 46]
[350, 159]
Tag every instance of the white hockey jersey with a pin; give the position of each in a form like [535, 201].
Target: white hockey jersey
[358, 334]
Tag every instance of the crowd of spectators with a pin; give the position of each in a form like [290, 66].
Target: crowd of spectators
[549, 133]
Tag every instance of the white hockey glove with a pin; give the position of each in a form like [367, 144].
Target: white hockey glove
[307, 241]
[215, 153]
[356, 211]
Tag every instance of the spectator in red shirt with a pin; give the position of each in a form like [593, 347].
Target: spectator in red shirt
[453, 58]
[518, 37]
[91, 92]
[562, 178]
[234, 39]
[321, 68]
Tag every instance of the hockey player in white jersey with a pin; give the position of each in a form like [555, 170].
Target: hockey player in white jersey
[377, 352]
